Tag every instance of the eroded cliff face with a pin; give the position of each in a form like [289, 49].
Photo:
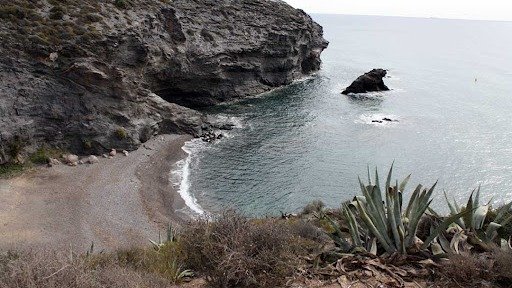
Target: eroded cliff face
[88, 75]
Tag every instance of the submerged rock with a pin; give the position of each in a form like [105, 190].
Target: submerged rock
[369, 82]
[141, 68]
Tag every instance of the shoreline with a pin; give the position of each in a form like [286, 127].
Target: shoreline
[117, 203]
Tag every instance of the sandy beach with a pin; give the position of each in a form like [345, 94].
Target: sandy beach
[119, 202]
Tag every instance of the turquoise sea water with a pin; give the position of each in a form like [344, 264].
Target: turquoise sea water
[451, 84]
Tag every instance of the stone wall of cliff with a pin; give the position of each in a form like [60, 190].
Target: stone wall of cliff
[89, 75]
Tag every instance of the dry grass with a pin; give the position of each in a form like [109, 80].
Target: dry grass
[478, 270]
[233, 251]
[58, 269]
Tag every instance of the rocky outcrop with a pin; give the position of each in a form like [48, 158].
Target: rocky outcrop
[369, 82]
[90, 75]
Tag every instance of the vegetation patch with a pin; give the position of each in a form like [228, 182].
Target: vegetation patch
[43, 155]
[233, 251]
[121, 133]
[10, 170]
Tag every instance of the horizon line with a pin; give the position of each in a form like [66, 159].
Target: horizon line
[404, 16]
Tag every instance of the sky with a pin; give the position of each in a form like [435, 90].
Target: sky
[452, 9]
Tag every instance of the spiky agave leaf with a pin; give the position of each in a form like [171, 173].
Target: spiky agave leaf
[352, 225]
[377, 230]
[468, 218]
[443, 226]
[337, 236]
[479, 216]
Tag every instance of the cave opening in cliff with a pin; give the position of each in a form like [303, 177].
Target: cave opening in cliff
[193, 100]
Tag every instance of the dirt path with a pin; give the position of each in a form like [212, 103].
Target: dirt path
[119, 202]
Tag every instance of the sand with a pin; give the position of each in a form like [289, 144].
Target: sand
[117, 203]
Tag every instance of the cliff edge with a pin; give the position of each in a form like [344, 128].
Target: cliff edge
[88, 75]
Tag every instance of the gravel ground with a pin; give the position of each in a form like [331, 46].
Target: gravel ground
[119, 202]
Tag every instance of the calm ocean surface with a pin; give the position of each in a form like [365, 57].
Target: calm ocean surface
[308, 141]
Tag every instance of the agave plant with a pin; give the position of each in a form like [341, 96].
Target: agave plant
[176, 273]
[472, 228]
[382, 219]
[171, 237]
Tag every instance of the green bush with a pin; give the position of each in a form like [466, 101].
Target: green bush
[43, 155]
[121, 133]
[8, 170]
[379, 221]
[122, 4]
[57, 12]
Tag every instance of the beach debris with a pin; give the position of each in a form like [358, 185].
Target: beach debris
[113, 152]
[105, 156]
[70, 159]
[369, 82]
[92, 159]
[125, 153]
[81, 162]
[53, 162]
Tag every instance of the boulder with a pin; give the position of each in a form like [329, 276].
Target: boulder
[53, 162]
[92, 160]
[369, 82]
[112, 152]
[125, 153]
[70, 159]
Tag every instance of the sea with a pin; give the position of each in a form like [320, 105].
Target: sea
[451, 94]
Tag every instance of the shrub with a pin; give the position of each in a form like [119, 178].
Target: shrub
[121, 133]
[12, 11]
[57, 12]
[92, 18]
[10, 169]
[60, 269]
[315, 206]
[232, 251]
[122, 4]
[503, 265]
[468, 270]
[43, 155]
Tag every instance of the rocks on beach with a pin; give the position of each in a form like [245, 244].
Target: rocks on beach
[74, 160]
[53, 162]
[369, 82]
[92, 160]
[211, 136]
[71, 159]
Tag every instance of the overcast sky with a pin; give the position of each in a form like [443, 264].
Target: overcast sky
[454, 9]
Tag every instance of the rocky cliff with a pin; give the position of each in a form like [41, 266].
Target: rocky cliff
[88, 75]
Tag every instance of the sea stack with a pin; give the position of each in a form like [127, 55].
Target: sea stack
[74, 76]
[369, 82]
